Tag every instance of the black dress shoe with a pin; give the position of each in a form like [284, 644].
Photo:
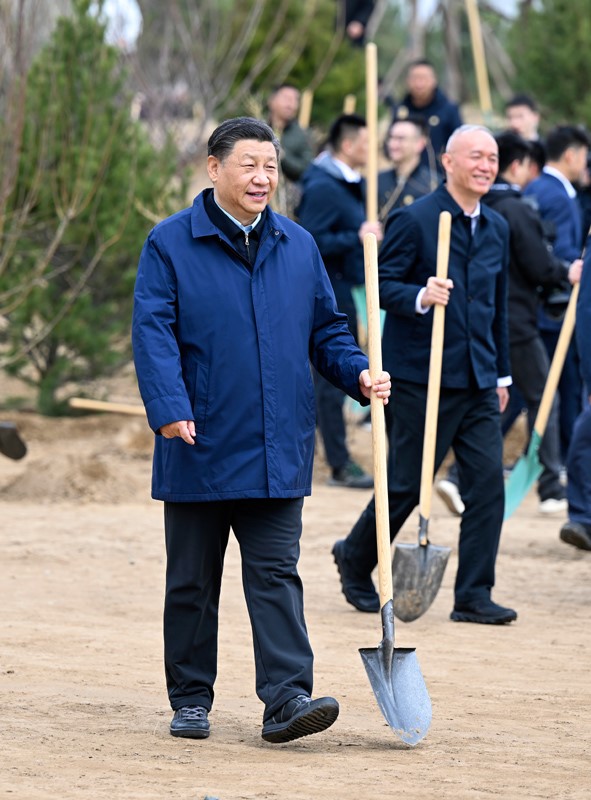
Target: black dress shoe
[485, 611]
[190, 722]
[360, 592]
[300, 716]
[577, 534]
[11, 444]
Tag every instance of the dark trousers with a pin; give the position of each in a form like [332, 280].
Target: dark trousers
[329, 399]
[570, 390]
[268, 532]
[579, 470]
[529, 369]
[469, 421]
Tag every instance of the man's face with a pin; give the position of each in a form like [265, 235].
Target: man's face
[355, 149]
[421, 82]
[523, 121]
[246, 180]
[575, 161]
[405, 142]
[284, 103]
[472, 163]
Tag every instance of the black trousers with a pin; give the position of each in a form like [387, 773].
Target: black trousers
[469, 421]
[268, 532]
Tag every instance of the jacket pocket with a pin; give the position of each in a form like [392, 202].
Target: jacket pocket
[201, 398]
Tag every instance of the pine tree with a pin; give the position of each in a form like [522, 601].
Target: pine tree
[74, 225]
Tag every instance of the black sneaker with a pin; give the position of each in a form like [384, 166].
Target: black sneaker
[577, 534]
[190, 722]
[11, 444]
[360, 592]
[485, 612]
[351, 476]
[300, 716]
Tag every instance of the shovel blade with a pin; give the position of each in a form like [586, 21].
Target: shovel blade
[523, 476]
[400, 691]
[417, 572]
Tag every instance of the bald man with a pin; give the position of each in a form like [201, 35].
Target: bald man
[475, 372]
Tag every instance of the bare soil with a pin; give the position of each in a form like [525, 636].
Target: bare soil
[84, 712]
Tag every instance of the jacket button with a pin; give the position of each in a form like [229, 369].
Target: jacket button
[276, 233]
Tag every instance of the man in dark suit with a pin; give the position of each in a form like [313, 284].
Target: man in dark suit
[475, 372]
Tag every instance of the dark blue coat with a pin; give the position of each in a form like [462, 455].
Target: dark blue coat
[583, 329]
[564, 212]
[442, 117]
[476, 332]
[230, 348]
[333, 210]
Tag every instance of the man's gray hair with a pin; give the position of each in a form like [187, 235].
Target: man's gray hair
[465, 129]
[223, 139]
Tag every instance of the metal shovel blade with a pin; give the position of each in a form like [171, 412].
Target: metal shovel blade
[398, 684]
[417, 572]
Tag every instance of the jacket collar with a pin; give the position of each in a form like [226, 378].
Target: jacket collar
[447, 203]
[201, 224]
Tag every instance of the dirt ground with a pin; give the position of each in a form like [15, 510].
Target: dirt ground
[84, 712]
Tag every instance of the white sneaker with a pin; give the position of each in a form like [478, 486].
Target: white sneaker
[553, 506]
[450, 495]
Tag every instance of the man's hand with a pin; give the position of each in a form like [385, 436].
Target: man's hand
[575, 270]
[371, 227]
[437, 291]
[184, 429]
[503, 395]
[381, 386]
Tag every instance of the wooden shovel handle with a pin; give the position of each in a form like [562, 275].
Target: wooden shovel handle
[558, 359]
[432, 410]
[378, 422]
[103, 405]
[371, 116]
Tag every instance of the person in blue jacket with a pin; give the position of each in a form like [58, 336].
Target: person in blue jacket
[567, 147]
[577, 531]
[425, 99]
[231, 304]
[474, 379]
[338, 226]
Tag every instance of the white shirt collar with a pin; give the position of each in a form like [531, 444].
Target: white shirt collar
[570, 189]
[245, 228]
[349, 174]
[473, 217]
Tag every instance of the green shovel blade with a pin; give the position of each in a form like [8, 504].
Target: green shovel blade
[523, 476]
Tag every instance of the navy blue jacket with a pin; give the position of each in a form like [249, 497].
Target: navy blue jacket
[441, 115]
[583, 329]
[230, 348]
[476, 331]
[564, 212]
[333, 210]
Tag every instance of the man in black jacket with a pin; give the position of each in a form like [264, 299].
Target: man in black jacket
[532, 267]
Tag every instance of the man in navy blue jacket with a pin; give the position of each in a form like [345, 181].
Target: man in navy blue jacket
[475, 372]
[425, 99]
[577, 531]
[332, 208]
[567, 147]
[231, 303]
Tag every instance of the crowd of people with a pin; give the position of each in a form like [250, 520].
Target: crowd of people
[235, 398]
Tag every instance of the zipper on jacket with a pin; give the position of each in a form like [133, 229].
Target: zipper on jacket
[247, 243]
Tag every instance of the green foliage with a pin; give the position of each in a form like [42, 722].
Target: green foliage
[73, 228]
[551, 47]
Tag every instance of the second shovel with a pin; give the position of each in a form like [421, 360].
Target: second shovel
[417, 569]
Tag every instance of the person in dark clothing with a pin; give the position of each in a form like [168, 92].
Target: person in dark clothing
[474, 379]
[424, 98]
[567, 147]
[357, 15]
[408, 179]
[333, 210]
[577, 531]
[231, 304]
[523, 117]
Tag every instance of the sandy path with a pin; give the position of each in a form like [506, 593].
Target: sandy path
[84, 712]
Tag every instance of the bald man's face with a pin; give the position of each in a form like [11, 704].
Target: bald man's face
[472, 163]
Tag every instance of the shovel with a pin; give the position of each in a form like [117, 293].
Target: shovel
[393, 672]
[417, 570]
[528, 469]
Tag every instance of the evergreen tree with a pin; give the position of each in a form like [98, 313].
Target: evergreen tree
[551, 48]
[89, 186]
